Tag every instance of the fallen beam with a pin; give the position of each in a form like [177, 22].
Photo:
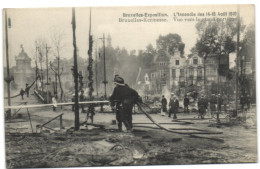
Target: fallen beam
[168, 123]
[58, 104]
[93, 124]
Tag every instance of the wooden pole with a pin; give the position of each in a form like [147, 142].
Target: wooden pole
[47, 74]
[237, 59]
[30, 119]
[96, 68]
[105, 78]
[8, 79]
[61, 125]
[75, 71]
[90, 77]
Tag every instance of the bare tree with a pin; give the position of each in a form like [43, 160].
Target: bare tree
[57, 41]
[41, 49]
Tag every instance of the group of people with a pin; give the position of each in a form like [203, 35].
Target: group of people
[26, 91]
[213, 104]
[173, 106]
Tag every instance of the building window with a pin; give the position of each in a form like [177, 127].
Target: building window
[173, 73]
[177, 62]
[163, 73]
[181, 72]
[195, 61]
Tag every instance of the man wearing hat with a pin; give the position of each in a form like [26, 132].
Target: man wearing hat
[124, 98]
[174, 106]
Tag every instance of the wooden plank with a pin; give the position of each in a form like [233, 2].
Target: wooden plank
[92, 124]
[51, 120]
[50, 105]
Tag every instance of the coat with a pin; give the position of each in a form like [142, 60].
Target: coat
[124, 94]
[186, 101]
[174, 104]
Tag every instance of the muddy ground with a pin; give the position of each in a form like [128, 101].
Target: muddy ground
[146, 145]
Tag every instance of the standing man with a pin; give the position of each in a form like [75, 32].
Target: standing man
[27, 88]
[202, 106]
[186, 103]
[164, 105]
[174, 106]
[22, 93]
[123, 98]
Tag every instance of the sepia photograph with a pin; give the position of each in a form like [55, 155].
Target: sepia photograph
[129, 86]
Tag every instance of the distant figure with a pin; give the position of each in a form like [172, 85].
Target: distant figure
[186, 103]
[202, 106]
[220, 102]
[22, 93]
[225, 102]
[213, 102]
[164, 106]
[54, 102]
[174, 106]
[27, 88]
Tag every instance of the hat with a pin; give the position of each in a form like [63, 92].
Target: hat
[119, 81]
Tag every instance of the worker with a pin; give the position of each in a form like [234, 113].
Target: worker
[164, 106]
[124, 98]
[22, 93]
[174, 106]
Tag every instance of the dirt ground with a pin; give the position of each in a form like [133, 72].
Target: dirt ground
[146, 145]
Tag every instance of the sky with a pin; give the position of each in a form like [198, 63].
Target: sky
[30, 24]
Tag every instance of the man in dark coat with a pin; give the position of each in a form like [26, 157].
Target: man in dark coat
[202, 106]
[164, 105]
[174, 106]
[186, 103]
[22, 93]
[124, 98]
[27, 88]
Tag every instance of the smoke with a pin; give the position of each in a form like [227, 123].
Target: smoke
[166, 93]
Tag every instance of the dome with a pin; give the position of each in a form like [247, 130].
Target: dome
[22, 55]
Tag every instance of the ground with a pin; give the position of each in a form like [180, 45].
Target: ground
[146, 145]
